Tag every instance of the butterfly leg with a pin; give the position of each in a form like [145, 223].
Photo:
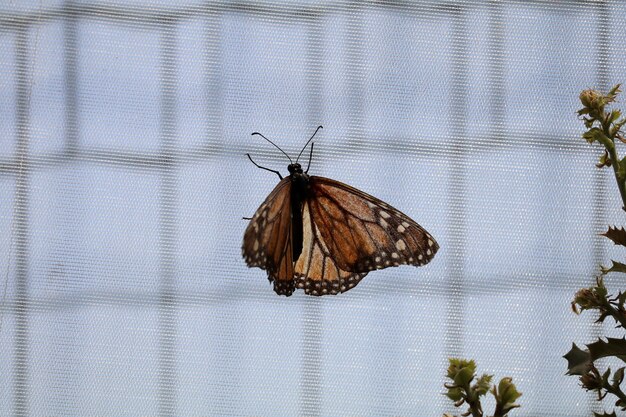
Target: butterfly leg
[267, 169]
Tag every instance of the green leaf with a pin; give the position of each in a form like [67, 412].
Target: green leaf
[483, 384]
[616, 267]
[612, 347]
[508, 394]
[618, 377]
[578, 361]
[621, 169]
[464, 377]
[605, 377]
[455, 394]
[457, 365]
[614, 91]
[615, 114]
[596, 134]
[600, 288]
[617, 126]
[615, 129]
[618, 236]
[621, 299]
[605, 160]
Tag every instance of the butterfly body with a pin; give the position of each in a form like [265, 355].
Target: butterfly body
[299, 188]
[324, 236]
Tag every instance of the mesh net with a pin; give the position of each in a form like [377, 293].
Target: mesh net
[123, 182]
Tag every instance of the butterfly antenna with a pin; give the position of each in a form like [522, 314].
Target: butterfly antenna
[307, 143]
[310, 157]
[277, 147]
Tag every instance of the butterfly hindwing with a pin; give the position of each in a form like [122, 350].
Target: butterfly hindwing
[267, 242]
[317, 270]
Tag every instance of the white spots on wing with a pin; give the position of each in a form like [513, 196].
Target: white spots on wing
[430, 242]
[405, 224]
[394, 255]
[255, 258]
[429, 252]
[371, 205]
[401, 228]
[377, 260]
[384, 214]
[420, 257]
[383, 223]
[400, 245]
[256, 245]
[411, 259]
[334, 285]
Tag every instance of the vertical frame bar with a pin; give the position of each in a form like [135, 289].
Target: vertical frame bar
[167, 401]
[496, 70]
[226, 351]
[457, 187]
[21, 353]
[354, 77]
[71, 51]
[213, 70]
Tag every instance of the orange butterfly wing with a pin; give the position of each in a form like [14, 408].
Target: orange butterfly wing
[267, 241]
[317, 270]
[348, 233]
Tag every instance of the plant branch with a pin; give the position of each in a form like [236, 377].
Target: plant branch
[616, 313]
[615, 390]
[621, 182]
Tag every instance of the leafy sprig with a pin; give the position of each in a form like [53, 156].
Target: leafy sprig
[604, 126]
[463, 392]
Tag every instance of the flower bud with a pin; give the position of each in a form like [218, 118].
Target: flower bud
[591, 381]
[590, 98]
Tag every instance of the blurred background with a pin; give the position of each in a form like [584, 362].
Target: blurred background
[123, 183]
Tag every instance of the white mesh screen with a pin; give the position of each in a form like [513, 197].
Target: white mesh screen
[123, 181]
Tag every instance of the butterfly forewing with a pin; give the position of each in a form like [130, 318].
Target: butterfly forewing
[267, 240]
[364, 233]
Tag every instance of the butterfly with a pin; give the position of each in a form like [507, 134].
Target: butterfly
[323, 236]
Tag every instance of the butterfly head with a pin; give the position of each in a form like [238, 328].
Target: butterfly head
[299, 178]
[295, 169]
